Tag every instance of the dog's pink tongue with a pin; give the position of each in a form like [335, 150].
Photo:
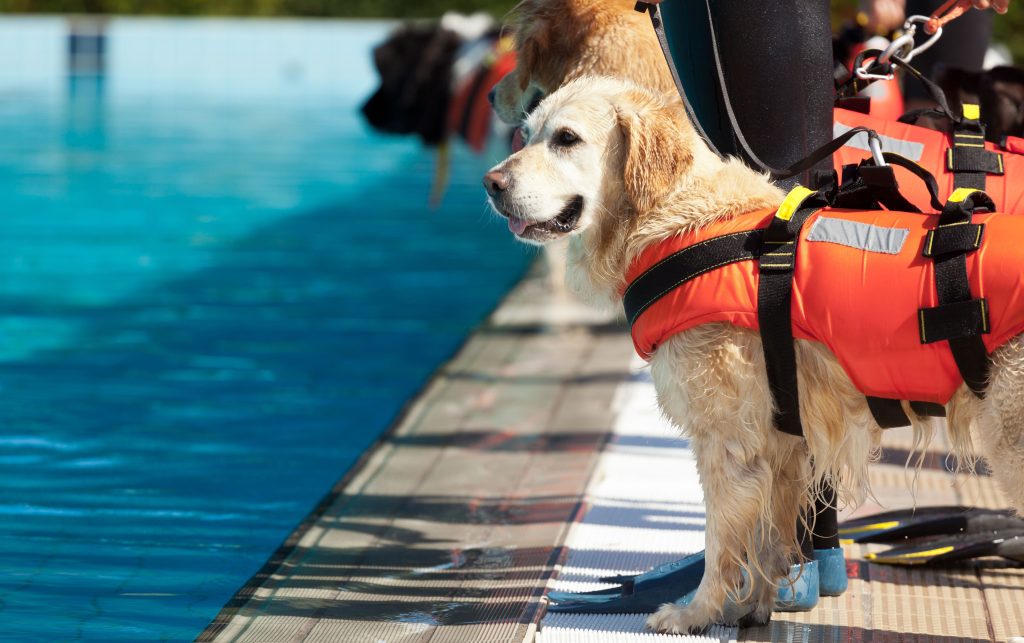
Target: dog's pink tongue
[517, 225]
[518, 142]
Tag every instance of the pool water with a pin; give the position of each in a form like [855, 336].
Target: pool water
[213, 297]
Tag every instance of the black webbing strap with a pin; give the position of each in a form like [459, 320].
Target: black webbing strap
[868, 186]
[852, 86]
[888, 413]
[686, 264]
[774, 304]
[928, 409]
[968, 159]
[959, 318]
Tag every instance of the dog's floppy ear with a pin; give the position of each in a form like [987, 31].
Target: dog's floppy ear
[530, 55]
[657, 152]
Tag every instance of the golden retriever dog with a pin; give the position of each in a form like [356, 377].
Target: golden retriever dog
[615, 168]
[559, 40]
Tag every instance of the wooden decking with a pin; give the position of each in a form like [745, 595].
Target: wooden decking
[450, 528]
[535, 459]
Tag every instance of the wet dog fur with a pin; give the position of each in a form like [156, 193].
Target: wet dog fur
[643, 175]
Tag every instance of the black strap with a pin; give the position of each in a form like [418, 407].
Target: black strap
[949, 239]
[928, 409]
[968, 159]
[920, 172]
[888, 413]
[867, 186]
[854, 85]
[910, 116]
[959, 318]
[774, 311]
[686, 264]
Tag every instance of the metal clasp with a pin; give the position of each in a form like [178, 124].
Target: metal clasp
[901, 48]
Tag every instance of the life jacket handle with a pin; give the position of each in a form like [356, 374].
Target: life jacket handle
[920, 172]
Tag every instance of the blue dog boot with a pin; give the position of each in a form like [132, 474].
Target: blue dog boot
[832, 579]
[799, 592]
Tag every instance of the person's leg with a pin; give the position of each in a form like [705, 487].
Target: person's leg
[962, 46]
[776, 58]
[777, 61]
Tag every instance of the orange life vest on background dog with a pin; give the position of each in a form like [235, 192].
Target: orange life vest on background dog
[859, 284]
[938, 153]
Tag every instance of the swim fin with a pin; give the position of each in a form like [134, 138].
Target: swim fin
[1008, 543]
[676, 582]
[639, 594]
[903, 524]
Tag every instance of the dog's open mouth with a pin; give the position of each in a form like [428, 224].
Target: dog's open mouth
[564, 223]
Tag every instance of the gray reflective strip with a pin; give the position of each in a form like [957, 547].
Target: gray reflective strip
[862, 236]
[909, 149]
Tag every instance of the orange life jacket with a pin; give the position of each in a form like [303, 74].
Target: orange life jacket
[859, 284]
[938, 153]
[470, 114]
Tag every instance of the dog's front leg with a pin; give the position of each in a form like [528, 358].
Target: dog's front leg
[737, 488]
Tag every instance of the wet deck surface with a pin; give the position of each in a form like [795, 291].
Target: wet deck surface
[451, 528]
[535, 459]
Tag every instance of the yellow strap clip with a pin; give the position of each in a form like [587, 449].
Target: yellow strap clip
[972, 112]
[960, 194]
[792, 202]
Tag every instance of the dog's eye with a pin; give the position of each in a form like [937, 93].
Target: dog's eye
[565, 138]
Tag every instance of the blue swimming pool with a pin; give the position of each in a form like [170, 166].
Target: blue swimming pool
[217, 288]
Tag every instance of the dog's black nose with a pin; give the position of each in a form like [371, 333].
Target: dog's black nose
[496, 182]
[490, 95]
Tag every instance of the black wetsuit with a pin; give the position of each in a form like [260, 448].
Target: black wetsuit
[776, 60]
[962, 46]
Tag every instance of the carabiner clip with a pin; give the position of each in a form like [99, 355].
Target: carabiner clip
[875, 145]
[899, 45]
[911, 27]
[901, 48]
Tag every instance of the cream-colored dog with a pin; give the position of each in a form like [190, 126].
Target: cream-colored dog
[560, 40]
[616, 168]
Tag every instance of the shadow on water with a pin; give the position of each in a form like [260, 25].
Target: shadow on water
[155, 458]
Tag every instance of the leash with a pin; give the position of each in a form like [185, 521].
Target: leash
[947, 13]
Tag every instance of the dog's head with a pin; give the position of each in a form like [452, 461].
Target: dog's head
[596, 148]
[560, 40]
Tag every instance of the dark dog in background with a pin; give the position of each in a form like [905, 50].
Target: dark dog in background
[998, 91]
[415, 67]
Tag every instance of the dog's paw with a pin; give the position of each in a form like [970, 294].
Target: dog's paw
[762, 615]
[675, 619]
